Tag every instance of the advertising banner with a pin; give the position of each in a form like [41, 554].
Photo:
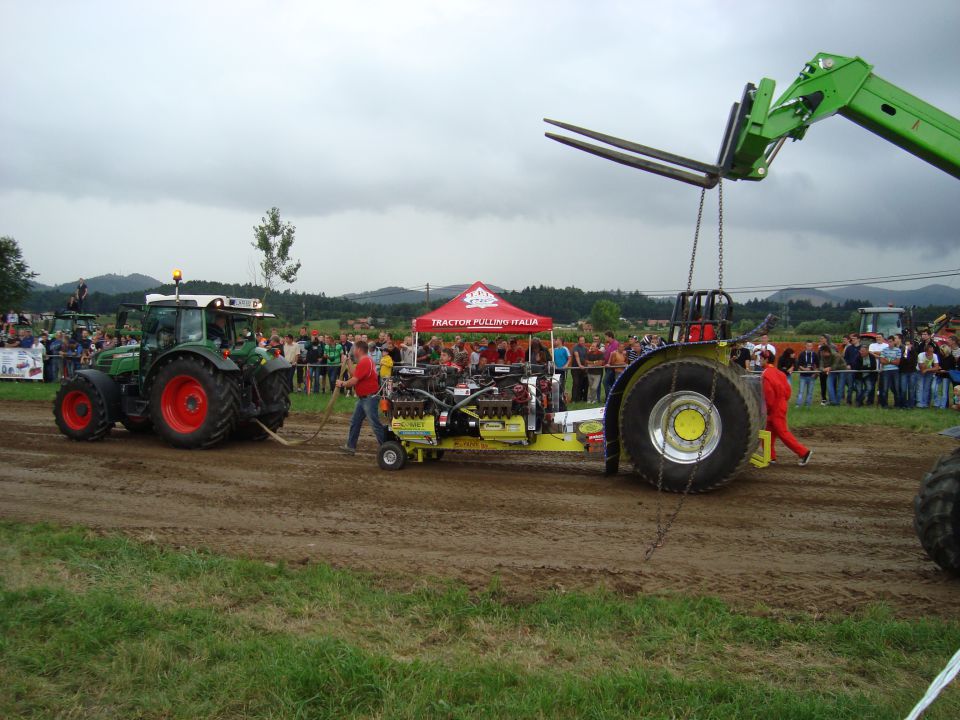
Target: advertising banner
[21, 364]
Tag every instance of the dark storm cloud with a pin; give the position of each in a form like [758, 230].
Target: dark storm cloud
[437, 107]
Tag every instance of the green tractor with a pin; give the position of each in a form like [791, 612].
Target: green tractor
[72, 324]
[196, 377]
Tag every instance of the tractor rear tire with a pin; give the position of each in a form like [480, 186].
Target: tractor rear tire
[193, 404]
[936, 512]
[659, 427]
[274, 390]
[81, 410]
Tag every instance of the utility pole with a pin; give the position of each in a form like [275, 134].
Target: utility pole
[428, 294]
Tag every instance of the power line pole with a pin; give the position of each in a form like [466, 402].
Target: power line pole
[428, 293]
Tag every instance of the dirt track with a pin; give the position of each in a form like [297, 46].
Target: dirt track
[831, 536]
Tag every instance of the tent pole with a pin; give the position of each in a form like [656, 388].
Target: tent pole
[416, 345]
[551, 351]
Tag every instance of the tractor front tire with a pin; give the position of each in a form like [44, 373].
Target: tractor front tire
[936, 512]
[274, 392]
[193, 404]
[673, 429]
[81, 410]
[391, 456]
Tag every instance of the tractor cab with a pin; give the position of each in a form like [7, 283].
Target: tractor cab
[72, 324]
[701, 315]
[216, 324]
[879, 323]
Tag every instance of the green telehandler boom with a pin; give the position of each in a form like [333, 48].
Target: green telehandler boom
[758, 126]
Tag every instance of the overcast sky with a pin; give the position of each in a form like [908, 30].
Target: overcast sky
[405, 140]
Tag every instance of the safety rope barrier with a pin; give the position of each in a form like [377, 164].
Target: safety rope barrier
[939, 683]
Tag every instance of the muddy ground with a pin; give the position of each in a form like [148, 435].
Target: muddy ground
[832, 536]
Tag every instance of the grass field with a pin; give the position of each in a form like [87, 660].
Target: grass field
[105, 627]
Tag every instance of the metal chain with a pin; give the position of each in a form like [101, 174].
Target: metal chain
[664, 528]
[696, 240]
[719, 233]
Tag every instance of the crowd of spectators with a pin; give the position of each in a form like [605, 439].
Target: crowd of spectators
[890, 372]
[64, 353]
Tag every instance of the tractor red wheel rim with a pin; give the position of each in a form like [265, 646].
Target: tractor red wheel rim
[184, 404]
[76, 409]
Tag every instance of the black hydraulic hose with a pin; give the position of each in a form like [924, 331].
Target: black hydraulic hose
[439, 402]
[477, 394]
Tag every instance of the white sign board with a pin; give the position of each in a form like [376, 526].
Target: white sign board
[21, 364]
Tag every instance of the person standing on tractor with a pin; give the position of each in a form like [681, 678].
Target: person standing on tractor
[81, 294]
[776, 394]
[367, 387]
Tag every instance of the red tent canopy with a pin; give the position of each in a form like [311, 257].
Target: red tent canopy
[477, 309]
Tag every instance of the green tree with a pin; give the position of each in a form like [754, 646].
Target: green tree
[274, 239]
[605, 315]
[15, 275]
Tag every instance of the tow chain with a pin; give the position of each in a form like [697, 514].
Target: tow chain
[664, 527]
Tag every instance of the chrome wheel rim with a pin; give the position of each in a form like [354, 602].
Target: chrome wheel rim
[683, 421]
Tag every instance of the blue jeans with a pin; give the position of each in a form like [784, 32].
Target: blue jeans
[805, 393]
[924, 388]
[889, 381]
[844, 380]
[908, 390]
[865, 386]
[333, 372]
[54, 368]
[835, 387]
[941, 392]
[609, 377]
[366, 408]
[316, 378]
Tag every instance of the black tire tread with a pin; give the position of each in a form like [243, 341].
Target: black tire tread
[274, 386]
[751, 413]
[100, 426]
[936, 517]
[391, 444]
[223, 402]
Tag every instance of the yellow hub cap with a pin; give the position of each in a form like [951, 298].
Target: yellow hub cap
[689, 424]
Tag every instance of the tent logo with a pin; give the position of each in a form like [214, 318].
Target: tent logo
[480, 298]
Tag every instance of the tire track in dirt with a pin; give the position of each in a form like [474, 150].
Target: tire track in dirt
[832, 536]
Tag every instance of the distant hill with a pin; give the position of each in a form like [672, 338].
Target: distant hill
[928, 295]
[109, 284]
[397, 295]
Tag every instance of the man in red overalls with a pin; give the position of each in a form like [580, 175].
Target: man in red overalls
[776, 394]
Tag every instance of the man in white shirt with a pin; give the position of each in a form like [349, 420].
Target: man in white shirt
[760, 348]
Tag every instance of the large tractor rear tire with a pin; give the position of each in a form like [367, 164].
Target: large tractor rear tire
[81, 410]
[659, 426]
[193, 404]
[936, 512]
[274, 392]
